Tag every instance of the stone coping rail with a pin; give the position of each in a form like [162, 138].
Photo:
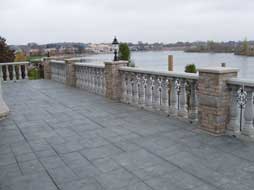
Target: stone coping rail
[95, 65]
[162, 73]
[241, 82]
[57, 61]
[14, 63]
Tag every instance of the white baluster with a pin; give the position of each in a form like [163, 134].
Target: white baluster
[233, 127]
[156, 93]
[164, 95]
[193, 111]
[148, 92]
[1, 73]
[78, 82]
[20, 73]
[26, 71]
[183, 107]
[248, 128]
[135, 90]
[13, 72]
[7, 73]
[142, 91]
[129, 88]
[124, 88]
[173, 98]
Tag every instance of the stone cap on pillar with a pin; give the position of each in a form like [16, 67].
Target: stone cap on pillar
[218, 70]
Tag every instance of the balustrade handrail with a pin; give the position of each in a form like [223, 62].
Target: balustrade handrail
[241, 82]
[161, 73]
[95, 65]
[57, 61]
[14, 63]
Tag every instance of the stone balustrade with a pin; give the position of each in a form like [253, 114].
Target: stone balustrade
[90, 77]
[58, 70]
[14, 71]
[167, 92]
[241, 107]
[4, 110]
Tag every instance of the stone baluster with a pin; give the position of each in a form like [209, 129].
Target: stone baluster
[156, 93]
[7, 73]
[124, 89]
[129, 88]
[89, 79]
[233, 127]
[99, 82]
[95, 81]
[248, 128]
[173, 98]
[182, 112]
[14, 72]
[19, 72]
[193, 109]
[141, 91]
[135, 86]
[1, 74]
[148, 93]
[78, 82]
[85, 73]
[104, 84]
[26, 71]
[164, 95]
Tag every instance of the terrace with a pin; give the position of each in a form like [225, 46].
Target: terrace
[58, 136]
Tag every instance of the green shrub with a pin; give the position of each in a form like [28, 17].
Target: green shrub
[33, 74]
[190, 68]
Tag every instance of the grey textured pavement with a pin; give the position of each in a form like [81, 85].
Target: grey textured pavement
[58, 137]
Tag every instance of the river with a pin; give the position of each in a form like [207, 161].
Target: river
[157, 60]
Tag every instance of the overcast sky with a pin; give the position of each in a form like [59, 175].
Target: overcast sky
[44, 21]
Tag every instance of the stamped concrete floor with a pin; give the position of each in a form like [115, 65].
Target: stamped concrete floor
[58, 137]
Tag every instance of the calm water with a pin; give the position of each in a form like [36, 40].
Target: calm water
[158, 60]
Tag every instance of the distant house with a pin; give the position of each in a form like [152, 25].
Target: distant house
[50, 51]
[34, 52]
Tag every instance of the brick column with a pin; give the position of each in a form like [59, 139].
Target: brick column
[47, 69]
[70, 73]
[214, 98]
[113, 79]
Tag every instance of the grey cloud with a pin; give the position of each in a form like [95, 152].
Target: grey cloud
[148, 20]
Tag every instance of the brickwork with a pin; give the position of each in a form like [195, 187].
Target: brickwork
[113, 79]
[70, 73]
[214, 99]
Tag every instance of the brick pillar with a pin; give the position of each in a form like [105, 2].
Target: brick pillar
[47, 69]
[70, 73]
[113, 79]
[214, 98]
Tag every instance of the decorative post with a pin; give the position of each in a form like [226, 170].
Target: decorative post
[193, 111]
[148, 92]
[248, 128]
[214, 98]
[164, 95]
[173, 97]
[113, 79]
[142, 91]
[182, 112]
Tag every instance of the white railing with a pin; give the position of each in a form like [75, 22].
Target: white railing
[58, 71]
[168, 92]
[91, 77]
[241, 107]
[14, 71]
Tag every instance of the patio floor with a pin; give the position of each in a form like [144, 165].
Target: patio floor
[58, 137]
